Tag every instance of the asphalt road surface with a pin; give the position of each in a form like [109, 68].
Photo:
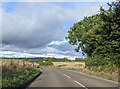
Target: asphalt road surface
[51, 77]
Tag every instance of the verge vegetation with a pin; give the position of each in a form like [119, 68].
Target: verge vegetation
[16, 74]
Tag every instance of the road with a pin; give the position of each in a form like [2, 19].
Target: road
[51, 77]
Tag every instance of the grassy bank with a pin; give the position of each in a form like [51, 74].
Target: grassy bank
[18, 73]
[105, 73]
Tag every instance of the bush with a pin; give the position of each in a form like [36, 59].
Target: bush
[46, 63]
[95, 61]
[79, 59]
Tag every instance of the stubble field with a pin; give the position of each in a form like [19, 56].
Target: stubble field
[69, 65]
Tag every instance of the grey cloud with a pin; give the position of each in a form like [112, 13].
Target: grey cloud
[65, 49]
[34, 25]
[21, 29]
[46, 50]
[65, 46]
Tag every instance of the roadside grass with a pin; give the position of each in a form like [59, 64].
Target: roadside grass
[18, 73]
[19, 80]
[105, 72]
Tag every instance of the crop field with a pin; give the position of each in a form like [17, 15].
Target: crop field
[70, 65]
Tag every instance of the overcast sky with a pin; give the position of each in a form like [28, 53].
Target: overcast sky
[39, 29]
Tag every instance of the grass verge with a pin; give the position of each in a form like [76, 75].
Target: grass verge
[20, 79]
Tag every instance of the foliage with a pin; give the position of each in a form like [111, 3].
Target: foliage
[18, 79]
[99, 36]
[95, 61]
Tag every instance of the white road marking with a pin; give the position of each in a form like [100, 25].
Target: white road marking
[81, 84]
[67, 76]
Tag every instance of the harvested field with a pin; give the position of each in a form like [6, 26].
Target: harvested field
[74, 65]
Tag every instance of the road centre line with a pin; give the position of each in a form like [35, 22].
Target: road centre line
[76, 81]
[67, 76]
[80, 84]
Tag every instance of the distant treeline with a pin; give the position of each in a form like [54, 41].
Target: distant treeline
[53, 59]
[48, 61]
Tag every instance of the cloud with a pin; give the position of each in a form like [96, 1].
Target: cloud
[39, 28]
[61, 45]
[11, 54]
[36, 24]
[58, 49]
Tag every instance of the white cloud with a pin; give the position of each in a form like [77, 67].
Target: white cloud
[12, 54]
[57, 42]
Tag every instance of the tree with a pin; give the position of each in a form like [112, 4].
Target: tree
[111, 35]
[65, 59]
[83, 34]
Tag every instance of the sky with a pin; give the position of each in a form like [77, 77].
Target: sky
[38, 29]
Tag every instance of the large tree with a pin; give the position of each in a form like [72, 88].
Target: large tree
[99, 34]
